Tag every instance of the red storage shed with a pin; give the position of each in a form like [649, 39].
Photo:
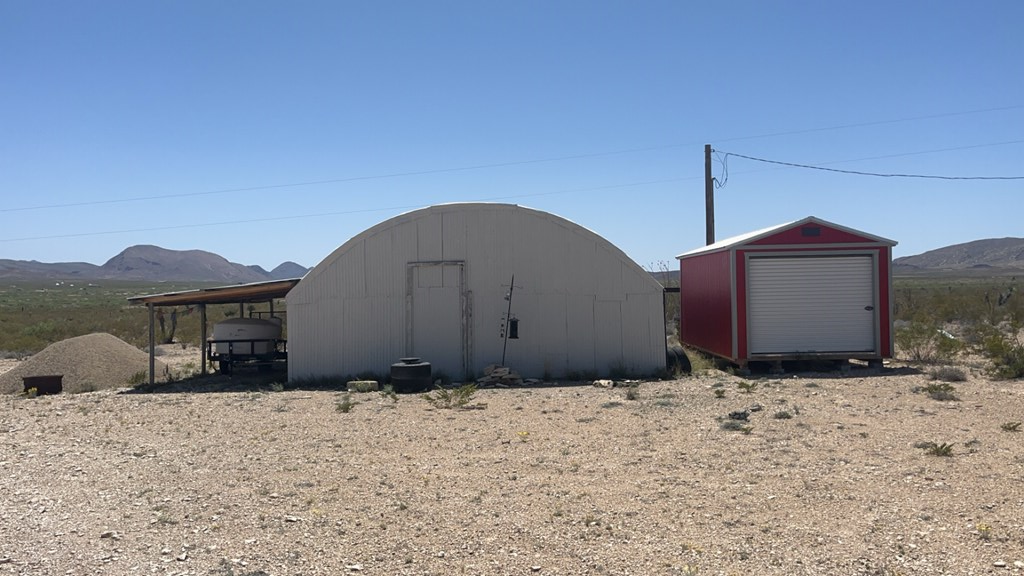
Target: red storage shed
[808, 289]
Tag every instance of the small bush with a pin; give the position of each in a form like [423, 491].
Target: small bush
[719, 393]
[344, 404]
[1010, 427]
[735, 426]
[633, 392]
[934, 449]
[783, 415]
[948, 374]
[1006, 355]
[140, 377]
[452, 398]
[699, 362]
[925, 341]
[940, 391]
[747, 387]
[388, 393]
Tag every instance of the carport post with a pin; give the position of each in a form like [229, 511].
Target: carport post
[152, 349]
[202, 335]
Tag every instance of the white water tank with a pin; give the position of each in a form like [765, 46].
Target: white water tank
[247, 329]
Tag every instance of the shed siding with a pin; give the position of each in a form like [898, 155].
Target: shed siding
[706, 303]
[582, 305]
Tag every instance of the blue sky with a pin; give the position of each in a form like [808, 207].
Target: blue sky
[268, 132]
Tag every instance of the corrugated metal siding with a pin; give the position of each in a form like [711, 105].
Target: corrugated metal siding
[582, 305]
[705, 295]
[811, 305]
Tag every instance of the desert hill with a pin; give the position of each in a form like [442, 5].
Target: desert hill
[151, 263]
[989, 256]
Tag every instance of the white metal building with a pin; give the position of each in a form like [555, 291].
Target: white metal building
[432, 283]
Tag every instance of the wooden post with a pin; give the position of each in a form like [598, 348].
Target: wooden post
[202, 336]
[709, 196]
[152, 349]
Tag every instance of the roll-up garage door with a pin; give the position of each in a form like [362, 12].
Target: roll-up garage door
[800, 305]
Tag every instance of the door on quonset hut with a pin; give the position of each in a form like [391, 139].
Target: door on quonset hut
[437, 319]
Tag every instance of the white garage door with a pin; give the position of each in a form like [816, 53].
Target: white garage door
[811, 305]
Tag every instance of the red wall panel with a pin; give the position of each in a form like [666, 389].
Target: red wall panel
[706, 303]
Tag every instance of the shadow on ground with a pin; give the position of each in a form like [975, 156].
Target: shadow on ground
[826, 369]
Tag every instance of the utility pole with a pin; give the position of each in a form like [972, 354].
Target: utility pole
[709, 196]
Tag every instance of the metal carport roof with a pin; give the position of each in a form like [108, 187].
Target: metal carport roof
[237, 294]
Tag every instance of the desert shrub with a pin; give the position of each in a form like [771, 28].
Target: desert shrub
[633, 392]
[140, 377]
[1010, 426]
[746, 387]
[344, 404]
[1005, 353]
[735, 426]
[941, 391]
[936, 449]
[451, 398]
[783, 415]
[948, 374]
[924, 341]
[699, 361]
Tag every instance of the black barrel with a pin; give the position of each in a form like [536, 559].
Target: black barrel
[410, 375]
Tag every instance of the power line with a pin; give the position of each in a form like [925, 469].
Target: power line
[499, 164]
[862, 173]
[872, 123]
[337, 180]
[338, 213]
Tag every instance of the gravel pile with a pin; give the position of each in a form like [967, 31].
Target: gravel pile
[821, 476]
[91, 362]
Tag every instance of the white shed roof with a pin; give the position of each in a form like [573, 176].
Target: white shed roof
[749, 237]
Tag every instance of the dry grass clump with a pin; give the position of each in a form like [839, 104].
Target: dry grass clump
[948, 374]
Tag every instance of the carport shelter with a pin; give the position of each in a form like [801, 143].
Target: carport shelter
[240, 294]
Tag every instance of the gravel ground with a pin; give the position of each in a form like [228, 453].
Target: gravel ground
[549, 480]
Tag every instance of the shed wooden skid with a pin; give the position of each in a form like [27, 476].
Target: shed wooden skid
[432, 283]
[809, 289]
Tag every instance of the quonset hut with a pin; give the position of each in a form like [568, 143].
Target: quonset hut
[808, 289]
[433, 284]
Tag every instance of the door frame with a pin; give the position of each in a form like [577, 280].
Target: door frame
[464, 307]
[875, 295]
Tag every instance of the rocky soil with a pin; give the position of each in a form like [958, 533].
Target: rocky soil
[828, 474]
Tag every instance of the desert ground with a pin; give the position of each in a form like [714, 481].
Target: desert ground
[831, 473]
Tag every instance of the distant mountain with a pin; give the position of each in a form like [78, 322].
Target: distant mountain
[152, 263]
[32, 270]
[989, 257]
[287, 270]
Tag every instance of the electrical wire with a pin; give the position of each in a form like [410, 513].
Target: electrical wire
[863, 173]
[502, 164]
[339, 213]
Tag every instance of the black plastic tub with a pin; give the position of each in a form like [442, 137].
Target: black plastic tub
[410, 375]
[44, 384]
